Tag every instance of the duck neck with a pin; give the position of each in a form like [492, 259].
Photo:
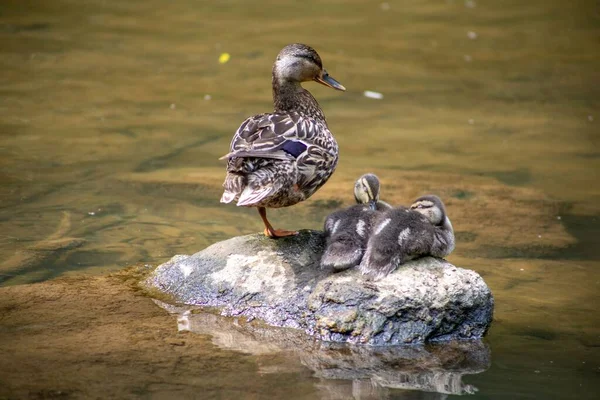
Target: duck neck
[290, 96]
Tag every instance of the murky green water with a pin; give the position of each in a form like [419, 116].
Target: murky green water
[113, 115]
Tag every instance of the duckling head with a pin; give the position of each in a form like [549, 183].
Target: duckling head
[297, 63]
[366, 190]
[431, 207]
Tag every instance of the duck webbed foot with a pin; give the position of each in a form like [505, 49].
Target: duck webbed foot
[277, 233]
[269, 230]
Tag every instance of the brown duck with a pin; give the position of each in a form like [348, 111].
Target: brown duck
[281, 158]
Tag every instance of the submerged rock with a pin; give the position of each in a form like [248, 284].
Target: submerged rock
[280, 282]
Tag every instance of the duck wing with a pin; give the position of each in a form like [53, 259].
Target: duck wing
[275, 136]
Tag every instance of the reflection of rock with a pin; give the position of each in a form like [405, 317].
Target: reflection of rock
[280, 282]
[372, 370]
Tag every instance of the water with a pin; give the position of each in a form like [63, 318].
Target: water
[113, 116]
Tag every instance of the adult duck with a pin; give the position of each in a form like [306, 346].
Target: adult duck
[281, 158]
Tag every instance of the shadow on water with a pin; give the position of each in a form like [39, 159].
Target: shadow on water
[520, 176]
[59, 263]
[584, 228]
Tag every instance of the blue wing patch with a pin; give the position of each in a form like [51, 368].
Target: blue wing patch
[294, 148]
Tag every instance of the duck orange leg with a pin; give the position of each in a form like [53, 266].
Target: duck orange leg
[269, 230]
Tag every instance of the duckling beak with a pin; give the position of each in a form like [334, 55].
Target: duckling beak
[373, 205]
[328, 81]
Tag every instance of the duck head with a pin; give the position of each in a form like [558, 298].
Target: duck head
[431, 207]
[366, 190]
[298, 62]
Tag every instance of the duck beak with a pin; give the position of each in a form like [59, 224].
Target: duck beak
[328, 81]
[373, 205]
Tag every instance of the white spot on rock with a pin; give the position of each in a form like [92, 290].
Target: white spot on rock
[186, 269]
[262, 273]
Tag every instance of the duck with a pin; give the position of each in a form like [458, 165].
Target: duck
[402, 234]
[366, 191]
[282, 158]
[347, 231]
[434, 210]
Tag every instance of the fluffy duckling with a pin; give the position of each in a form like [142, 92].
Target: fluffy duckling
[347, 231]
[366, 191]
[281, 158]
[434, 210]
[403, 234]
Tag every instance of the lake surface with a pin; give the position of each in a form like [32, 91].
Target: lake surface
[113, 116]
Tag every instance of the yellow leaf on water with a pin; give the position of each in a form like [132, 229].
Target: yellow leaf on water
[224, 57]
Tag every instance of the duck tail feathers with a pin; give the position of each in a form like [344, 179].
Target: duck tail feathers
[227, 197]
[234, 185]
[251, 196]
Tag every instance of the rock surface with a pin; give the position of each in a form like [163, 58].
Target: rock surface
[281, 282]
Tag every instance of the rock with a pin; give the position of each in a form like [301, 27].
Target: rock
[280, 282]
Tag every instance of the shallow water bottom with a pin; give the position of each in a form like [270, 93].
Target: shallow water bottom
[101, 338]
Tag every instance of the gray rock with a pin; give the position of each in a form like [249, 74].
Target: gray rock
[280, 282]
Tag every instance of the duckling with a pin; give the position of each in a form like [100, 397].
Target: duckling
[434, 210]
[366, 191]
[347, 231]
[403, 234]
[281, 158]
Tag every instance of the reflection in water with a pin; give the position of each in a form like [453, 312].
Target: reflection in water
[360, 372]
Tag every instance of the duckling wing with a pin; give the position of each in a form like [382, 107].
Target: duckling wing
[346, 233]
[274, 136]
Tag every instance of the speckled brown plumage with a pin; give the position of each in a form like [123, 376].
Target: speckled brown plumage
[281, 158]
